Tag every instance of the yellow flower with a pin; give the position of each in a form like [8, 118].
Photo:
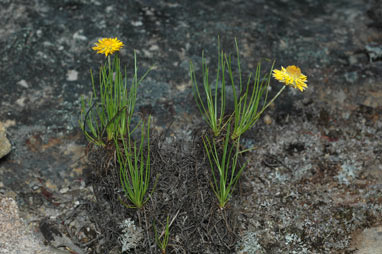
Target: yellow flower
[291, 76]
[108, 46]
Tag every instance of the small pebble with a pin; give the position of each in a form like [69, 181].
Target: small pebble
[267, 120]
[64, 190]
[72, 75]
[23, 83]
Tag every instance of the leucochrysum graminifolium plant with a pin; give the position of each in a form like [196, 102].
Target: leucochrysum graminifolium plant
[250, 98]
[224, 166]
[109, 110]
[134, 165]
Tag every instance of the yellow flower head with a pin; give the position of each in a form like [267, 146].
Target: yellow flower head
[107, 46]
[291, 76]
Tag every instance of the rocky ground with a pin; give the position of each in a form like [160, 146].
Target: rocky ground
[312, 185]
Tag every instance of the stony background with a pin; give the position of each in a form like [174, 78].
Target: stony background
[314, 184]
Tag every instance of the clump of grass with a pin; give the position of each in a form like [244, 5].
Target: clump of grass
[162, 243]
[247, 97]
[134, 165]
[224, 166]
[213, 110]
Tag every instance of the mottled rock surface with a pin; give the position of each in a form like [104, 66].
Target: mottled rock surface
[313, 183]
[16, 237]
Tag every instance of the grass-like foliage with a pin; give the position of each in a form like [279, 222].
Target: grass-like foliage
[162, 243]
[249, 98]
[213, 109]
[223, 159]
[109, 110]
[134, 164]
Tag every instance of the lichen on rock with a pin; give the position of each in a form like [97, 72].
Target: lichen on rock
[5, 146]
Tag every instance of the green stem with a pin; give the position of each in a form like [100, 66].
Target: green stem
[269, 103]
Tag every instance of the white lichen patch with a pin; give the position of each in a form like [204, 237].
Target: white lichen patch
[249, 244]
[347, 173]
[131, 235]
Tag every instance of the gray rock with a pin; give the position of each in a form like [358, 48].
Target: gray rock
[15, 236]
[5, 146]
[369, 241]
[55, 238]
